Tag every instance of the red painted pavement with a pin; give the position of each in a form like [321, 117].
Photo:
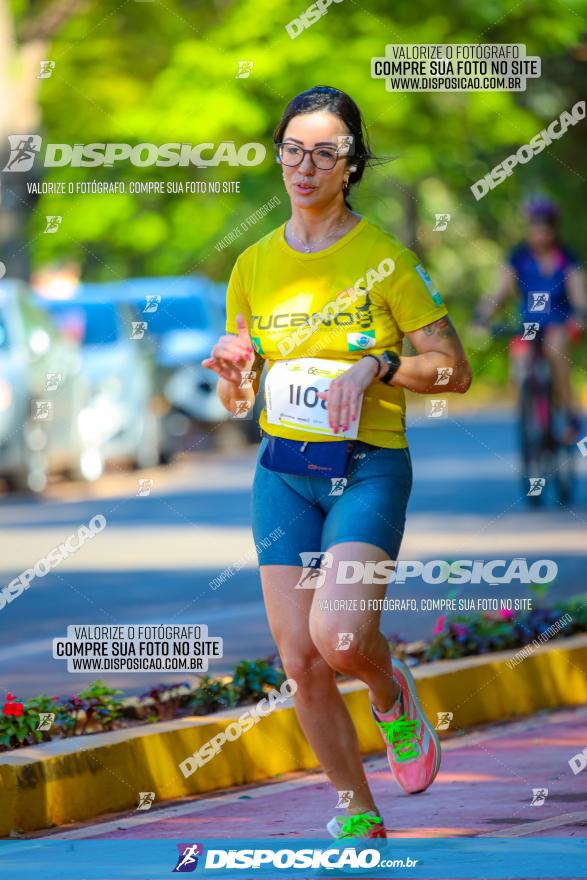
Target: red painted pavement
[484, 787]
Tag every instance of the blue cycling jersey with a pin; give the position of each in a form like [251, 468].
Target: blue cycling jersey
[543, 298]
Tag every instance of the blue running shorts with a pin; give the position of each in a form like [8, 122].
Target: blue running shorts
[293, 515]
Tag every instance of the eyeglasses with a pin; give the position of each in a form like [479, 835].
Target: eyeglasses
[324, 158]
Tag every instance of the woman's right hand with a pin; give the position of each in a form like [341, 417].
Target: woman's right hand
[232, 355]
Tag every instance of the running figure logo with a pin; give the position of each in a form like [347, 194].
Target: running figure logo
[345, 144]
[145, 487]
[530, 330]
[53, 223]
[138, 329]
[146, 799]
[152, 302]
[338, 485]
[247, 378]
[187, 859]
[47, 68]
[441, 222]
[444, 719]
[539, 301]
[537, 484]
[344, 641]
[23, 149]
[436, 408]
[443, 375]
[53, 381]
[42, 410]
[344, 799]
[46, 719]
[314, 567]
[244, 69]
[242, 409]
[539, 795]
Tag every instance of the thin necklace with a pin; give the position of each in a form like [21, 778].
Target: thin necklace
[308, 247]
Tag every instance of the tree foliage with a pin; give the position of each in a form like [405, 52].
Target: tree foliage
[166, 72]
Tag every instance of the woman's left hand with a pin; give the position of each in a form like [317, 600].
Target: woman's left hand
[344, 392]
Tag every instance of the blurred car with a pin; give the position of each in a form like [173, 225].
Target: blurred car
[115, 420]
[38, 387]
[184, 319]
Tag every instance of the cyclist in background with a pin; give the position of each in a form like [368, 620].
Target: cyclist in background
[550, 285]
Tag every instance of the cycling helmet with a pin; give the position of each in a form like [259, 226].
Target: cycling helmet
[541, 209]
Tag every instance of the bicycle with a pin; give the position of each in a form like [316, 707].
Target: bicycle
[544, 451]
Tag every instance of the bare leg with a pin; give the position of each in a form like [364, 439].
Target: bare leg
[320, 708]
[556, 349]
[368, 656]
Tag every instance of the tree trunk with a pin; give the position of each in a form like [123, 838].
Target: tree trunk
[20, 114]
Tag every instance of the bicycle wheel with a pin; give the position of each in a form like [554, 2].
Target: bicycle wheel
[564, 461]
[535, 436]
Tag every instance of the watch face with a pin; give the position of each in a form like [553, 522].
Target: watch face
[392, 360]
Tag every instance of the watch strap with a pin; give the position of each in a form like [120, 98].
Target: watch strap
[377, 361]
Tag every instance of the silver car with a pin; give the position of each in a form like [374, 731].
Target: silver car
[183, 319]
[38, 388]
[115, 420]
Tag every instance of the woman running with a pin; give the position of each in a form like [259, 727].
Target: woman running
[326, 299]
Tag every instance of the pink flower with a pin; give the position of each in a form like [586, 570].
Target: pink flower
[505, 612]
[439, 625]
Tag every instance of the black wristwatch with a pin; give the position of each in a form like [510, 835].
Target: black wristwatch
[393, 362]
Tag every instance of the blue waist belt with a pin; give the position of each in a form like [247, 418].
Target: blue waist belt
[307, 458]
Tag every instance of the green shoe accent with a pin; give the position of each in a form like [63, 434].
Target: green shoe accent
[359, 825]
[402, 736]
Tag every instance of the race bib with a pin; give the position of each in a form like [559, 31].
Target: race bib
[291, 395]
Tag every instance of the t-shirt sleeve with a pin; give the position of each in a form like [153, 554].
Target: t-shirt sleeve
[236, 300]
[414, 299]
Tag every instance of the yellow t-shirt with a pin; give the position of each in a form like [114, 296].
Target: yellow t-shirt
[289, 300]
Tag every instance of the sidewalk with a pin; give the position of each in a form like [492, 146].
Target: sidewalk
[483, 789]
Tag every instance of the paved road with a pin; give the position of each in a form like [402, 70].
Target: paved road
[484, 789]
[155, 560]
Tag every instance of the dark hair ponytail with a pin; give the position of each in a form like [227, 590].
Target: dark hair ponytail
[342, 105]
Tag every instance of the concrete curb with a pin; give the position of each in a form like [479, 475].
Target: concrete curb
[83, 778]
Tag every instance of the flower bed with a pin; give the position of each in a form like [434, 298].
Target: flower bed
[100, 708]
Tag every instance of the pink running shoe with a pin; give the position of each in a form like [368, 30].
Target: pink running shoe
[413, 746]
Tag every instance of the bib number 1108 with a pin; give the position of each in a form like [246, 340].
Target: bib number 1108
[309, 398]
